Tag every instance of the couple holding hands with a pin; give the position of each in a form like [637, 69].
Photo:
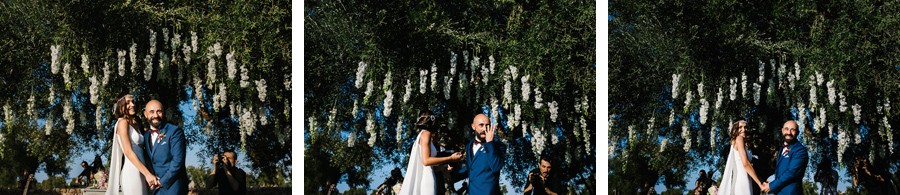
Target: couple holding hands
[790, 164]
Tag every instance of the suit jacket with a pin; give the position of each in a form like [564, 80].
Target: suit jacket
[483, 168]
[789, 170]
[167, 159]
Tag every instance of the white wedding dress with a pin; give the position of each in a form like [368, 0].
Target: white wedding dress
[419, 178]
[735, 179]
[128, 176]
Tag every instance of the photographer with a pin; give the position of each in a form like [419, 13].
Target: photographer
[540, 180]
[231, 180]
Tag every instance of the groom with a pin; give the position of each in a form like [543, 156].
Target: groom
[167, 151]
[485, 159]
[790, 163]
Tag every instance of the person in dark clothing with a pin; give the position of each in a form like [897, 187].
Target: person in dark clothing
[231, 180]
[85, 174]
[540, 180]
[396, 176]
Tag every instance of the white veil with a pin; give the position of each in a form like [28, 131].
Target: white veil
[115, 166]
[734, 179]
[415, 171]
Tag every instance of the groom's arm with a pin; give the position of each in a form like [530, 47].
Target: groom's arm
[178, 154]
[795, 170]
[497, 150]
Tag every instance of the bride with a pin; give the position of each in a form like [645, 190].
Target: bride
[737, 167]
[133, 177]
[419, 175]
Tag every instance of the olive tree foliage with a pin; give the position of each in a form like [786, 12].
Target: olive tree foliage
[682, 71]
[371, 67]
[63, 64]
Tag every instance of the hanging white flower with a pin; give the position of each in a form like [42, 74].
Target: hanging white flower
[368, 92]
[526, 87]
[263, 120]
[222, 96]
[98, 118]
[662, 146]
[407, 91]
[232, 65]
[672, 117]
[831, 91]
[516, 117]
[704, 110]
[888, 133]
[650, 127]
[387, 81]
[165, 35]
[452, 63]
[121, 63]
[781, 71]
[687, 99]
[434, 77]
[370, 127]
[69, 116]
[797, 71]
[686, 134]
[612, 146]
[538, 140]
[211, 66]
[822, 120]
[587, 140]
[514, 71]
[819, 78]
[857, 109]
[743, 85]
[261, 87]
[148, 70]
[7, 113]
[583, 126]
[48, 125]
[67, 70]
[538, 100]
[554, 110]
[449, 81]
[218, 49]
[719, 97]
[700, 90]
[187, 53]
[843, 101]
[152, 42]
[355, 111]
[554, 138]
[887, 104]
[163, 61]
[198, 92]
[485, 71]
[133, 56]
[351, 139]
[360, 73]
[758, 89]
[55, 56]
[388, 103]
[176, 41]
[194, 41]
[491, 61]
[675, 78]
[423, 80]
[578, 106]
[762, 71]
[52, 97]
[244, 77]
[733, 89]
[84, 63]
[857, 138]
[95, 90]
[495, 111]
[813, 98]
[507, 91]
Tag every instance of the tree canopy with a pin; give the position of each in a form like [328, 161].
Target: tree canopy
[371, 67]
[682, 71]
[63, 63]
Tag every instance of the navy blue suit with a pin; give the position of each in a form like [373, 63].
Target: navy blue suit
[789, 170]
[483, 167]
[167, 158]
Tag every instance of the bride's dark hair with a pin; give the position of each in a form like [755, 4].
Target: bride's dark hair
[427, 120]
[735, 128]
[119, 109]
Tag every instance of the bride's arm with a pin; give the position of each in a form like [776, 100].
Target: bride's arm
[739, 143]
[124, 138]
[427, 160]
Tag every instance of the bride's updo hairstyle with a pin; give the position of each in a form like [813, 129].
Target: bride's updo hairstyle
[735, 128]
[427, 121]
